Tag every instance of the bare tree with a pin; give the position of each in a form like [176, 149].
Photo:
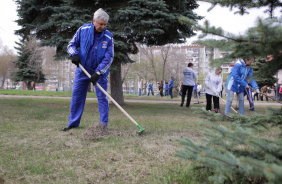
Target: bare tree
[35, 61]
[166, 53]
[49, 64]
[151, 57]
[176, 64]
[57, 72]
[125, 69]
[6, 65]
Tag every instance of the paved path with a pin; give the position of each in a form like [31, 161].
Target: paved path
[141, 101]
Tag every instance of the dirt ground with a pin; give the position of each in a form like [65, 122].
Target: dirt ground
[98, 131]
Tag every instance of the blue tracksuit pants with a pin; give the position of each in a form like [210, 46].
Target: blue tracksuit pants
[80, 86]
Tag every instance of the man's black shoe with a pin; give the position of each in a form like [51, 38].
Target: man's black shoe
[67, 128]
[181, 105]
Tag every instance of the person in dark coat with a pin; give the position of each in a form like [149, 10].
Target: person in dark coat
[276, 90]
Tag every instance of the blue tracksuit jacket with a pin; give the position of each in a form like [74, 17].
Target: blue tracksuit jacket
[236, 79]
[171, 83]
[166, 86]
[150, 86]
[96, 52]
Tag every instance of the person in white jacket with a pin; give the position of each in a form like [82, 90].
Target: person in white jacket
[213, 82]
[140, 84]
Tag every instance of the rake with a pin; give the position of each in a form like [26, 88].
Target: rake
[267, 96]
[198, 100]
[141, 130]
[250, 102]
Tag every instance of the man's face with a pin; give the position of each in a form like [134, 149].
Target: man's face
[100, 25]
[249, 62]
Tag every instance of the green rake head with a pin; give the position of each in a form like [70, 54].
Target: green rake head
[141, 130]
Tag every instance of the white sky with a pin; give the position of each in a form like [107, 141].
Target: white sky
[8, 15]
[218, 17]
[228, 21]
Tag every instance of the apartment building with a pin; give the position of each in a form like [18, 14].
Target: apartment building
[59, 73]
[199, 55]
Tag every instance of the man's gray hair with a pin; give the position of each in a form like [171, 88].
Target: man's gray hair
[100, 14]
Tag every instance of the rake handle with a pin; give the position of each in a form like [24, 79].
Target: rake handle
[267, 96]
[111, 98]
[249, 97]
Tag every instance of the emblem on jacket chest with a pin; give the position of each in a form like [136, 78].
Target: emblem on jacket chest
[104, 44]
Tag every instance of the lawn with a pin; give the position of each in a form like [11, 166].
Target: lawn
[93, 95]
[34, 150]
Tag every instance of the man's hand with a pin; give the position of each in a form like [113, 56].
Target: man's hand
[247, 86]
[94, 78]
[257, 91]
[75, 60]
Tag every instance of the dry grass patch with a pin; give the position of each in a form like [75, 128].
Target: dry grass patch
[34, 150]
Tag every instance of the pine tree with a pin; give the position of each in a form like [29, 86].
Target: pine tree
[237, 154]
[148, 22]
[29, 69]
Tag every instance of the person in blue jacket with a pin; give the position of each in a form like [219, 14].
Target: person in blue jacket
[166, 88]
[171, 86]
[93, 47]
[236, 83]
[150, 88]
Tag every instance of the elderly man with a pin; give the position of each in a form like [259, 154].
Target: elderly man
[93, 47]
[236, 82]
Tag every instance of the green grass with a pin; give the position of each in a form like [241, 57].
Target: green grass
[93, 95]
[35, 93]
[34, 150]
[69, 94]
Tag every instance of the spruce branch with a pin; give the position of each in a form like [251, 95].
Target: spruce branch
[244, 5]
[223, 152]
[207, 29]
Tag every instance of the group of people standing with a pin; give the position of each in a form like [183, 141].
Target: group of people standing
[236, 83]
[168, 86]
[213, 82]
[264, 91]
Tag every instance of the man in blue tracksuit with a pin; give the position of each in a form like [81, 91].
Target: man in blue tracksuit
[236, 83]
[93, 47]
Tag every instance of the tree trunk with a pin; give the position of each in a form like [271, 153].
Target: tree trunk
[116, 83]
[163, 72]
[29, 87]
[3, 82]
[89, 87]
